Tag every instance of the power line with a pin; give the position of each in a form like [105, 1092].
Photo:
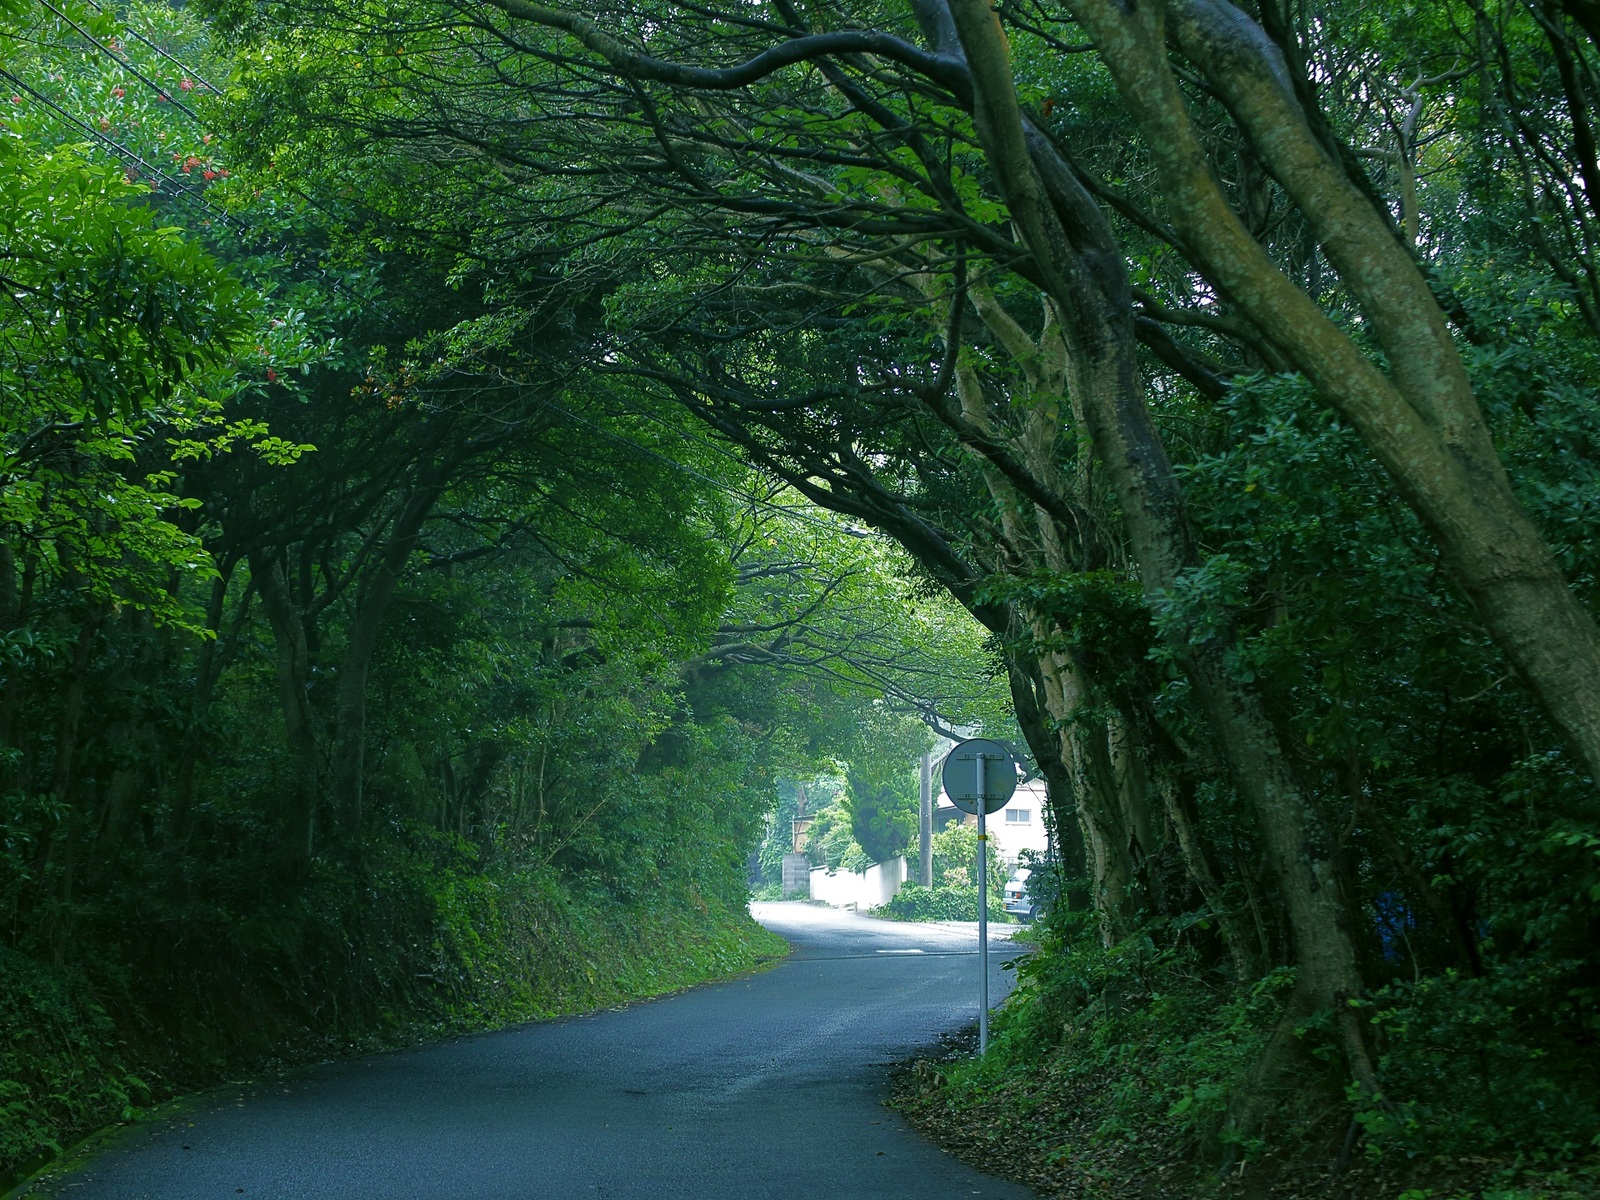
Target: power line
[123, 63]
[184, 67]
[127, 155]
[179, 190]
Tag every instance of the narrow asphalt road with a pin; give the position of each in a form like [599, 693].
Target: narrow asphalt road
[769, 1085]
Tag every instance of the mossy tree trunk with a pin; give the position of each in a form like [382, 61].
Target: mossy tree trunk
[1082, 270]
[1417, 414]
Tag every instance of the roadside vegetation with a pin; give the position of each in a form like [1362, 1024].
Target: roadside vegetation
[359, 682]
[954, 894]
[1111, 1071]
[455, 459]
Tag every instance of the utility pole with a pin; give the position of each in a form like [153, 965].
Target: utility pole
[925, 823]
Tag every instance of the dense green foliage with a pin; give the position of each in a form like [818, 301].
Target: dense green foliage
[492, 500]
[1116, 1065]
[361, 679]
[869, 815]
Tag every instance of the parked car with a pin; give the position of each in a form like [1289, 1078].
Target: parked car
[1017, 898]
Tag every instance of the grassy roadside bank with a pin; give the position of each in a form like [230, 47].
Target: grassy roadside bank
[1065, 1141]
[94, 1043]
[1110, 1072]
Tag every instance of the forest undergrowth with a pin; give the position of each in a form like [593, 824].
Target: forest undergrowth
[1110, 1074]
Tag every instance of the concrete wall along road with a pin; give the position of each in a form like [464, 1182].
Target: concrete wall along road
[796, 875]
[859, 890]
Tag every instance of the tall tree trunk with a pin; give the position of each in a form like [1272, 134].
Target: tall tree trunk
[1038, 730]
[355, 667]
[10, 615]
[1109, 820]
[1118, 821]
[209, 663]
[66, 749]
[1085, 275]
[1421, 419]
[294, 677]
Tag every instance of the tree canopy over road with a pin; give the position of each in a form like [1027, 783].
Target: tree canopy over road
[491, 442]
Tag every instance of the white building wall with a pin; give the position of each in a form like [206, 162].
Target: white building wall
[1018, 826]
[859, 890]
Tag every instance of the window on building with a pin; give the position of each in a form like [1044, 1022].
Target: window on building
[1019, 816]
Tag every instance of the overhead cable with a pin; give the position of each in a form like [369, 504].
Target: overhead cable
[123, 62]
[179, 189]
[182, 66]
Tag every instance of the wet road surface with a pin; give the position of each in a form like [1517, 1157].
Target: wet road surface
[770, 1085]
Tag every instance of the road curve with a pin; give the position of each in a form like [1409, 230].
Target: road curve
[770, 1085]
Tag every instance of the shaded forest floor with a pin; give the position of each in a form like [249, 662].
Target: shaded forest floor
[1052, 1139]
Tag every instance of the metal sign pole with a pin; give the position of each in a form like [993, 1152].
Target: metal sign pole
[983, 911]
[966, 782]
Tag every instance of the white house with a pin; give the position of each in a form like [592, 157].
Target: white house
[1017, 827]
